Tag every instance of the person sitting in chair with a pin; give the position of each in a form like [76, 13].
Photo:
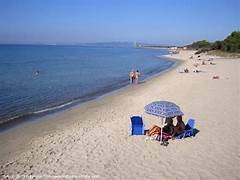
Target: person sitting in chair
[169, 128]
[154, 130]
[179, 128]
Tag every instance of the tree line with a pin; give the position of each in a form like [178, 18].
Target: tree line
[230, 44]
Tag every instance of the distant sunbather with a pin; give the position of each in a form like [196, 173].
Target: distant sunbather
[215, 77]
[186, 70]
[212, 63]
[196, 71]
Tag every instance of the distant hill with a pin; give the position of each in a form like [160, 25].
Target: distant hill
[107, 44]
[147, 45]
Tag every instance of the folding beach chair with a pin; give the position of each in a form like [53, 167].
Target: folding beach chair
[189, 130]
[137, 126]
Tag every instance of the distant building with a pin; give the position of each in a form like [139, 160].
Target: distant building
[174, 50]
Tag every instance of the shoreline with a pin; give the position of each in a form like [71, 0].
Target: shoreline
[31, 126]
[33, 116]
[93, 138]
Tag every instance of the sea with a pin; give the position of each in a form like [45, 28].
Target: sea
[39, 79]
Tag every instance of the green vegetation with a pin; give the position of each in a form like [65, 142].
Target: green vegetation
[200, 44]
[232, 42]
[230, 45]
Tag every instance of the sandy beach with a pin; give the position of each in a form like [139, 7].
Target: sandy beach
[92, 140]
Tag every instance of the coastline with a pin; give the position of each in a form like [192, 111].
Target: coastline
[33, 116]
[93, 139]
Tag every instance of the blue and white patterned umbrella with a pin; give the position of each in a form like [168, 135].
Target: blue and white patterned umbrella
[163, 109]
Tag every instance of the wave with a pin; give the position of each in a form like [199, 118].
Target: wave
[53, 108]
[15, 120]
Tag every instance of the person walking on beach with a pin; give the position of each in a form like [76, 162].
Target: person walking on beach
[131, 76]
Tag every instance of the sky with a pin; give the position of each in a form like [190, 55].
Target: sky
[166, 22]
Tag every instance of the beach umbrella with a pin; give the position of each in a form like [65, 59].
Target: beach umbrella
[163, 109]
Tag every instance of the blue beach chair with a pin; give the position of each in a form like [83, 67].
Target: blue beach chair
[137, 126]
[189, 130]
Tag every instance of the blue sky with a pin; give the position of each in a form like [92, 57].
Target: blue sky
[151, 21]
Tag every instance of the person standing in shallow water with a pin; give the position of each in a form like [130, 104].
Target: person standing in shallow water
[136, 75]
[131, 76]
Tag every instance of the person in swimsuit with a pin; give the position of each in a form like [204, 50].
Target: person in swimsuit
[131, 76]
[179, 128]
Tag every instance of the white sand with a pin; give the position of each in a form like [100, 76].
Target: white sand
[93, 139]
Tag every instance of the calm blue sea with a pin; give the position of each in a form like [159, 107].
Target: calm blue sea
[40, 78]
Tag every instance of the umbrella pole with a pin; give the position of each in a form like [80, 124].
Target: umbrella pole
[161, 130]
